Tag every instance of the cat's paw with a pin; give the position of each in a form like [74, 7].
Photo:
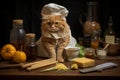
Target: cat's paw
[60, 59]
[54, 58]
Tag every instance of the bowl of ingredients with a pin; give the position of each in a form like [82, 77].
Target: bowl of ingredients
[112, 49]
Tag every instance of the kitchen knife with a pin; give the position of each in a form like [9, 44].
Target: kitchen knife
[99, 67]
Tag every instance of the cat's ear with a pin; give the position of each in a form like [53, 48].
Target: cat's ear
[63, 17]
[44, 17]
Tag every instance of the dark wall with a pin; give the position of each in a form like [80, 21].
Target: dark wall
[29, 11]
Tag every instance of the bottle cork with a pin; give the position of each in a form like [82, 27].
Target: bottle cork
[30, 35]
[17, 21]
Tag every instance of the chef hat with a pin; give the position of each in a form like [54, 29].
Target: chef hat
[54, 9]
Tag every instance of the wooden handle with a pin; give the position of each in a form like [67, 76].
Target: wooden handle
[41, 64]
[106, 46]
[11, 66]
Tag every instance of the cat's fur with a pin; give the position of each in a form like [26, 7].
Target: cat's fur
[55, 36]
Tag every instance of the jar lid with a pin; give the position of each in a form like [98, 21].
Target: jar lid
[17, 21]
[30, 35]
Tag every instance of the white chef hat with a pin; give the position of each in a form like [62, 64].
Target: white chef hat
[54, 9]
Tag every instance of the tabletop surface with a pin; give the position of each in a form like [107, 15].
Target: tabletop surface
[17, 73]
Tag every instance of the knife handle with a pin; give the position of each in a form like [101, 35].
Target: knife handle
[10, 66]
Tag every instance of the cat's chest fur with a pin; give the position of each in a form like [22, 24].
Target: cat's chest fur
[57, 35]
[55, 38]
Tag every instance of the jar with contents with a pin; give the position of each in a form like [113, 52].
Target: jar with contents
[91, 22]
[17, 34]
[101, 53]
[90, 53]
[31, 47]
[95, 40]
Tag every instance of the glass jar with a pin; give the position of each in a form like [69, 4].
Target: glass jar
[91, 22]
[31, 47]
[90, 53]
[101, 53]
[17, 34]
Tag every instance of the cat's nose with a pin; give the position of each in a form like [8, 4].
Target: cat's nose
[52, 26]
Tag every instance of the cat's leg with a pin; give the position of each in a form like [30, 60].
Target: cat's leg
[49, 46]
[60, 54]
[51, 51]
[61, 46]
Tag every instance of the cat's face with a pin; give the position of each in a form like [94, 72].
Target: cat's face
[53, 23]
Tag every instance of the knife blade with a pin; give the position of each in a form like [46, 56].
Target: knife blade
[99, 67]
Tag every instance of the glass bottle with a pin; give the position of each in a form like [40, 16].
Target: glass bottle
[17, 34]
[95, 40]
[31, 47]
[91, 22]
[109, 34]
[86, 40]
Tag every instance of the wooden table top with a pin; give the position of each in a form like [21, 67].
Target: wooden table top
[18, 74]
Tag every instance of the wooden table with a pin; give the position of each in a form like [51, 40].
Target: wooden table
[17, 74]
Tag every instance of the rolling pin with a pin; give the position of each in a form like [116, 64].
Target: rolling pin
[41, 63]
[23, 66]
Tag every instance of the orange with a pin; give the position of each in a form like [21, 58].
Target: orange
[7, 51]
[19, 57]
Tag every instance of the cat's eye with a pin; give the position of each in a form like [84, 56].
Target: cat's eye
[56, 23]
[49, 23]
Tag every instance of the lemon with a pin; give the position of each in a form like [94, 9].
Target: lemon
[74, 66]
[19, 57]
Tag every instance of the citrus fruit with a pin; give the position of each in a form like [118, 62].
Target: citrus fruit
[7, 51]
[19, 57]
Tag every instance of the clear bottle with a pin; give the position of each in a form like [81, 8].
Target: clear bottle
[17, 34]
[31, 47]
[109, 34]
[91, 22]
[95, 39]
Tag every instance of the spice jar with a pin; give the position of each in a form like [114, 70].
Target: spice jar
[31, 47]
[101, 53]
[17, 34]
[90, 52]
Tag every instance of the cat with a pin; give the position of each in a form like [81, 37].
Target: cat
[55, 36]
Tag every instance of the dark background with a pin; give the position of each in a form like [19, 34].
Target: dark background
[29, 11]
